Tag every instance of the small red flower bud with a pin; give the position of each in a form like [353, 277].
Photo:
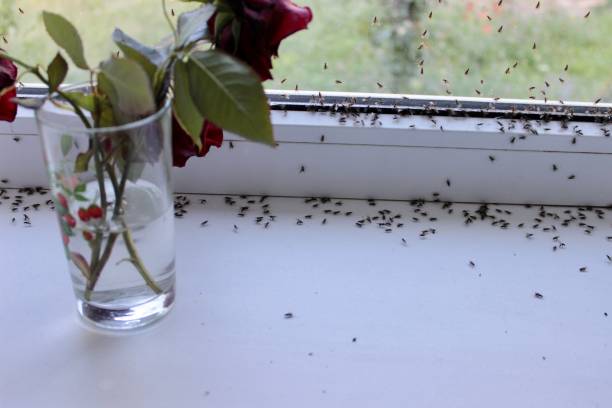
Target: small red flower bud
[87, 235]
[95, 212]
[83, 214]
[70, 220]
[62, 200]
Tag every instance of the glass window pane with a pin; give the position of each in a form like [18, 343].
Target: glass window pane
[390, 46]
[95, 19]
[375, 46]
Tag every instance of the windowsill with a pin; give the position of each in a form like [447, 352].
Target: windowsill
[390, 157]
[429, 329]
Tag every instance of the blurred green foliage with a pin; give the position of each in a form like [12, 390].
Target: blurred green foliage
[371, 45]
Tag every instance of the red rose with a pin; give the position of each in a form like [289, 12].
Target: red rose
[70, 220]
[183, 147]
[83, 214]
[263, 25]
[94, 212]
[8, 75]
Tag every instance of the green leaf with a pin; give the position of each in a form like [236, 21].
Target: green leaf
[229, 94]
[148, 58]
[128, 87]
[66, 144]
[84, 101]
[81, 163]
[185, 111]
[57, 70]
[192, 25]
[80, 197]
[66, 36]
[80, 188]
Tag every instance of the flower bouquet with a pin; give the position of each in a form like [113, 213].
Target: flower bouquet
[109, 143]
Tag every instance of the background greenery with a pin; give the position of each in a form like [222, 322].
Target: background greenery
[371, 45]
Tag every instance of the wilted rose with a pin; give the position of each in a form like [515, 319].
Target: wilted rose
[183, 147]
[8, 76]
[263, 25]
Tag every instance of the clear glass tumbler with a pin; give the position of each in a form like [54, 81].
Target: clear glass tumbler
[113, 199]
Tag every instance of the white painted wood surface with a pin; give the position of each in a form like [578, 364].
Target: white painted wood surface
[429, 330]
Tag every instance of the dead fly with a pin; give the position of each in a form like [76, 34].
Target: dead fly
[17, 139]
[583, 269]
[324, 221]
[380, 85]
[538, 295]
[283, 80]
[609, 258]
[499, 30]
[534, 46]
[325, 65]
[572, 177]
[231, 145]
[288, 316]
[538, 5]
[21, 10]
[404, 242]
[587, 14]
[467, 71]
[322, 138]
[172, 12]
[529, 235]
[430, 15]
[302, 169]
[472, 264]
[555, 167]
[235, 228]
[299, 222]
[492, 158]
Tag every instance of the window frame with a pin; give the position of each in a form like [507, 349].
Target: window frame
[371, 151]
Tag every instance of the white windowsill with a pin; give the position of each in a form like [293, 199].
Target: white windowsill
[396, 158]
[430, 330]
